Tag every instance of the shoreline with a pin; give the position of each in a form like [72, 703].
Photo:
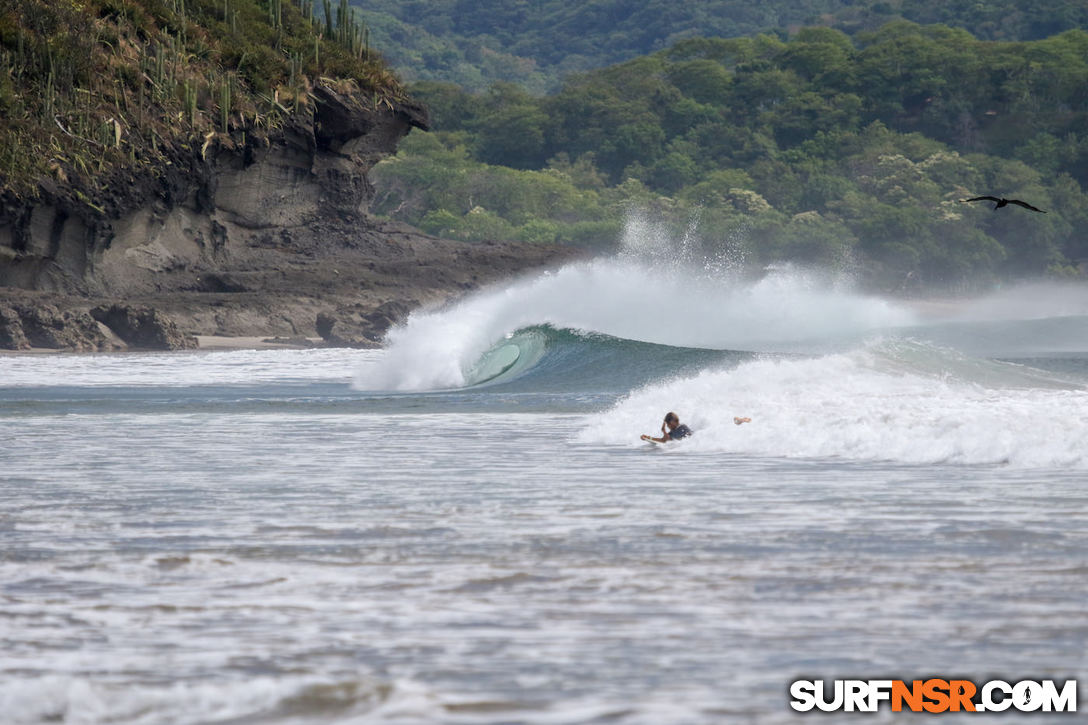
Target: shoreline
[254, 342]
[205, 343]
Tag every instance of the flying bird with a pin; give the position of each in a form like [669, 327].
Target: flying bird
[1004, 202]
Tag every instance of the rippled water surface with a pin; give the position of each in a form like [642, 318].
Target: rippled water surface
[340, 559]
[465, 527]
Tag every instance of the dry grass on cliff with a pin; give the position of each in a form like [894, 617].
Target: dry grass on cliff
[95, 89]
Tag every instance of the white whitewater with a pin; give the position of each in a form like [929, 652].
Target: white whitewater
[863, 405]
[654, 291]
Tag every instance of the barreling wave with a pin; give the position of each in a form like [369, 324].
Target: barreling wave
[823, 370]
[785, 311]
[545, 359]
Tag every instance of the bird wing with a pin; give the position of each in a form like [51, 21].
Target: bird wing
[1025, 205]
[982, 198]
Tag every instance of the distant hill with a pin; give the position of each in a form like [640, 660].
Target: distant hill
[826, 148]
[473, 43]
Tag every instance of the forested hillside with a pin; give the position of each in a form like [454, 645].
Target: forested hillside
[536, 44]
[821, 148]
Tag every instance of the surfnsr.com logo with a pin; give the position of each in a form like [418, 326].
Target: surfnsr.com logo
[933, 696]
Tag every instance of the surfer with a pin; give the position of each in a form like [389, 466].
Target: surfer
[677, 430]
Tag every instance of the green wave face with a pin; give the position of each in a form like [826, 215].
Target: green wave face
[508, 359]
[543, 358]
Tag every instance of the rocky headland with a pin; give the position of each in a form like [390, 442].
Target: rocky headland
[251, 230]
[270, 242]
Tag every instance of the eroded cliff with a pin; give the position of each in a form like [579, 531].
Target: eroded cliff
[254, 240]
[211, 210]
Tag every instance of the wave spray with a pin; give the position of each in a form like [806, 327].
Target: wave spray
[654, 290]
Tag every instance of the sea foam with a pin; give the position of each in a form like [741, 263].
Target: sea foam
[865, 405]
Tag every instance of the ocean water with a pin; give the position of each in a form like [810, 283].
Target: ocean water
[465, 528]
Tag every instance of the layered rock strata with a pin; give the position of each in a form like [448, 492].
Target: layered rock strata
[260, 235]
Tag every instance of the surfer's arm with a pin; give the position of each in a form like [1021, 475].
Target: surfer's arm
[662, 439]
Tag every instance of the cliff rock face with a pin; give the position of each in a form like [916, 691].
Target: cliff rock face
[238, 239]
[204, 217]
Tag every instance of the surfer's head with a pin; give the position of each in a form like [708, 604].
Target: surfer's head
[672, 420]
